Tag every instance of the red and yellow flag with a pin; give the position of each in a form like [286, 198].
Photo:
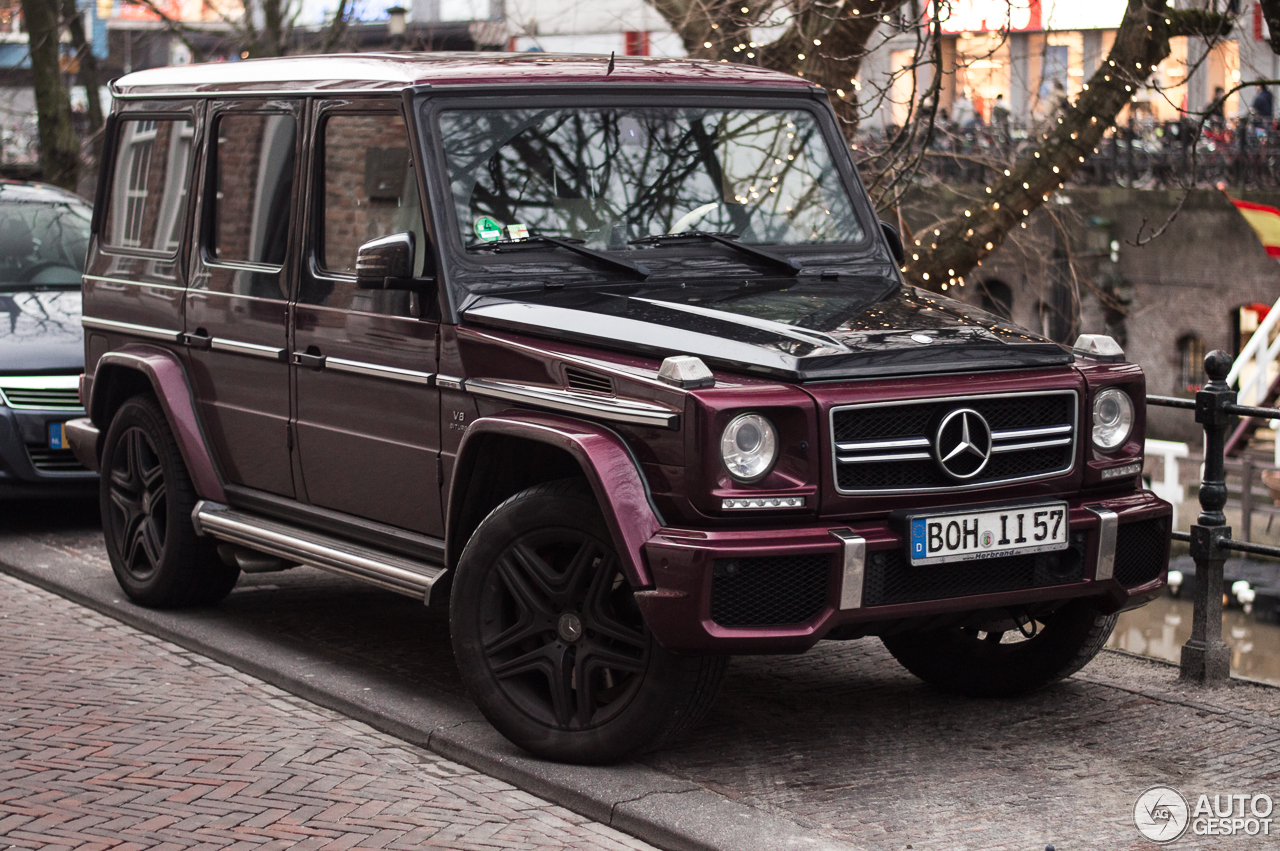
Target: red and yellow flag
[1265, 221]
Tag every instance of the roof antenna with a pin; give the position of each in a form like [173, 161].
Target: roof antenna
[609, 70]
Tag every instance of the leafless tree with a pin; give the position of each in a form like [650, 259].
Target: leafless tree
[826, 41]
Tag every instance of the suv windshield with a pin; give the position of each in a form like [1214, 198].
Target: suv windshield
[42, 244]
[609, 176]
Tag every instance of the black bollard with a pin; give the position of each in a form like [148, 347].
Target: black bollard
[1206, 659]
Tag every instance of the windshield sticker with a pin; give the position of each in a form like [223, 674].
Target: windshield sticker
[488, 229]
[517, 231]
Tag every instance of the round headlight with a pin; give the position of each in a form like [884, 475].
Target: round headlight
[1112, 419]
[749, 447]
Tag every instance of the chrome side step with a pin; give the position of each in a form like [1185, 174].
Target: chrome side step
[396, 573]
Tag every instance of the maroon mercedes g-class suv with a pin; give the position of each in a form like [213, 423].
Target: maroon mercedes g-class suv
[612, 358]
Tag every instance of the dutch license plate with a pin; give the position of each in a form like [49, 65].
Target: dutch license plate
[57, 436]
[972, 535]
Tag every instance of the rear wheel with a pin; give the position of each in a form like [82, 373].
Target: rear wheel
[1001, 661]
[146, 498]
[551, 643]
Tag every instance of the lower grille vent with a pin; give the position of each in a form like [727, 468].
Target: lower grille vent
[773, 591]
[54, 460]
[1142, 551]
[891, 578]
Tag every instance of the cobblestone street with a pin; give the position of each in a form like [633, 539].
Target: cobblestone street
[110, 738]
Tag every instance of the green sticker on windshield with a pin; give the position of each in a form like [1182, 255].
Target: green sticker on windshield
[488, 229]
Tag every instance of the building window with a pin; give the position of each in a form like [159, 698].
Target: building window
[1191, 363]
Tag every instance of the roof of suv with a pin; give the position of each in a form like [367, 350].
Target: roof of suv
[393, 71]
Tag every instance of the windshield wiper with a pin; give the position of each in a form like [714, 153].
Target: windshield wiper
[783, 264]
[641, 272]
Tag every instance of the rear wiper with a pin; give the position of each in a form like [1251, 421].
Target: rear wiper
[784, 264]
[641, 272]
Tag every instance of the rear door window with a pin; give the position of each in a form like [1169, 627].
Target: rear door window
[149, 185]
[253, 183]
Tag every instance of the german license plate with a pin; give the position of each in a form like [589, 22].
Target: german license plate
[972, 535]
[57, 436]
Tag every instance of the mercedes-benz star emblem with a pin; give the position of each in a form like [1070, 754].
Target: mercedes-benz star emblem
[963, 444]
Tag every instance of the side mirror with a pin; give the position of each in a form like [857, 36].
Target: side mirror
[895, 242]
[386, 263]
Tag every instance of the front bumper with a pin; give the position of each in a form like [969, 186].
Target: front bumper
[783, 590]
[28, 467]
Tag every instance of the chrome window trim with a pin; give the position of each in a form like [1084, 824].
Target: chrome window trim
[1073, 439]
[567, 401]
[393, 373]
[104, 279]
[149, 332]
[236, 347]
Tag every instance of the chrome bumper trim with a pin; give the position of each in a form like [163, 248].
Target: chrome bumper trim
[854, 564]
[1108, 526]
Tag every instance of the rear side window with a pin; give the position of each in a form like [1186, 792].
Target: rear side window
[149, 185]
[253, 163]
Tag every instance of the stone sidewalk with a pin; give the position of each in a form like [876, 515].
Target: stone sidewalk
[111, 738]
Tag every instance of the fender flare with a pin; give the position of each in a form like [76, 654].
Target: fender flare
[168, 378]
[606, 462]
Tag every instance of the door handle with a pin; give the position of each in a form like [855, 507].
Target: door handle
[199, 340]
[309, 360]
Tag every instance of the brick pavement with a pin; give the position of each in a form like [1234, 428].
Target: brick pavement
[111, 738]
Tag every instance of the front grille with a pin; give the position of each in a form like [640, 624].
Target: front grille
[891, 578]
[42, 398]
[1142, 550]
[772, 591]
[886, 448]
[54, 460]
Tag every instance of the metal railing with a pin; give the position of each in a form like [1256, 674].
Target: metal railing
[1206, 657]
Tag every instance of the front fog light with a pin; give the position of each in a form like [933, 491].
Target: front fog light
[1112, 419]
[749, 447]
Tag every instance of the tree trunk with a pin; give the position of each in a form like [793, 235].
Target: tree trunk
[88, 73]
[824, 42]
[59, 147]
[1142, 42]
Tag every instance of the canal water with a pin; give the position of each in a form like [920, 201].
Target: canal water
[1160, 628]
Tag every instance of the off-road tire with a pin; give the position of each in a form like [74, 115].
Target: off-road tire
[512, 649]
[146, 497]
[961, 662]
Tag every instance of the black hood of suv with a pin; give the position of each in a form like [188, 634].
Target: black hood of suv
[807, 330]
[40, 331]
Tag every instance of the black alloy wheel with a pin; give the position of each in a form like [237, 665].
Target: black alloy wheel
[1005, 659]
[146, 497]
[139, 501]
[560, 628]
[551, 643]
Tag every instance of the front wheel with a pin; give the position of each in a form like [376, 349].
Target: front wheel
[551, 644]
[1000, 661]
[146, 498]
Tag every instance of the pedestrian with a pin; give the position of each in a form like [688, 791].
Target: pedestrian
[1216, 115]
[1263, 106]
[1000, 120]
